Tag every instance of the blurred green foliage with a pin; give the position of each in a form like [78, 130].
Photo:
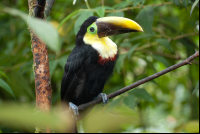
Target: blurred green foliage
[166, 104]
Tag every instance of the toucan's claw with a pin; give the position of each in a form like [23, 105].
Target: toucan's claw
[74, 108]
[104, 98]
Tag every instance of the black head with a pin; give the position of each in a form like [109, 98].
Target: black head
[107, 26]
[83, 28]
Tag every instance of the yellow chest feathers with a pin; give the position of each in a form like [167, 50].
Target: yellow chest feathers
[104, 46]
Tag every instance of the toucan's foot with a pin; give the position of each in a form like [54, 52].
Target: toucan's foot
[74, 108]
[104, 98]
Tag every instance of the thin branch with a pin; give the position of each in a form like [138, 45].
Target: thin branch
[136, 84]
[129, 8]
[184, 35]
[176, 57]
[87, 4]
[162, 1]
[126, 50]
[48, 7]
[146, 46]
[102, 1]
[138, 7]
[108, 11]
[162, 33]
[171, 56]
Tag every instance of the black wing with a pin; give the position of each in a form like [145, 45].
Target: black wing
[73, 74]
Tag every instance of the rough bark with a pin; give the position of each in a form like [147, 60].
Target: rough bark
[41, 61]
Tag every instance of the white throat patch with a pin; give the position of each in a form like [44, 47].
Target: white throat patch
[105, 46]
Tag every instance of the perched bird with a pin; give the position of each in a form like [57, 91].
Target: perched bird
[91, 62]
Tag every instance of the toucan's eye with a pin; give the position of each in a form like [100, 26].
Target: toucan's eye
[92, 29]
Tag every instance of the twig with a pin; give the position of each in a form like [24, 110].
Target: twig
[138, 7]
[176, 57]
[184, 35]
[107, 11]
[146, 46]
[136, 84]
[102, 3]
[171, 56]
[129, 8]
[87, 4]
[162, 33]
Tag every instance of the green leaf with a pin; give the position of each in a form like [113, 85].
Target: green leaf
[143, 36]
[141, 94]
[82, 17]
[161, 59]
[100, 11]
[32, 78]
[130, 52]
[16, 116]
[42, 29]
[129, 101]
[114, 103]
[121, 5]
[170, 23]
[16, 12]
[185, 2]
[67, 18]
[136, 2]
[108, 8]
[53, 65]
[165, 43]
[62, 61]
[46, 32]
[5, 86]
[2, 73]
[113, 89]
[193, 6]
[196, 88]
[21, 86]
[146, 18]
[119, 14]
[127, 3]
[120, 62]
[177, 2]
[125, 44]
[192, 127]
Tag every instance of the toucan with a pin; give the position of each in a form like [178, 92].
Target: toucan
[91, 62]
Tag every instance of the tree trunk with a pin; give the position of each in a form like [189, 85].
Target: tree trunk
[41, 61]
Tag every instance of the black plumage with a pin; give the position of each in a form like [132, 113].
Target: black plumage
[84, 78]
[90, 65]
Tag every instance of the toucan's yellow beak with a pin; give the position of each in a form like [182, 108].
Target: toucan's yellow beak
[108, 26]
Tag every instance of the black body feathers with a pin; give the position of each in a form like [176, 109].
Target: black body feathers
[84, 78]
